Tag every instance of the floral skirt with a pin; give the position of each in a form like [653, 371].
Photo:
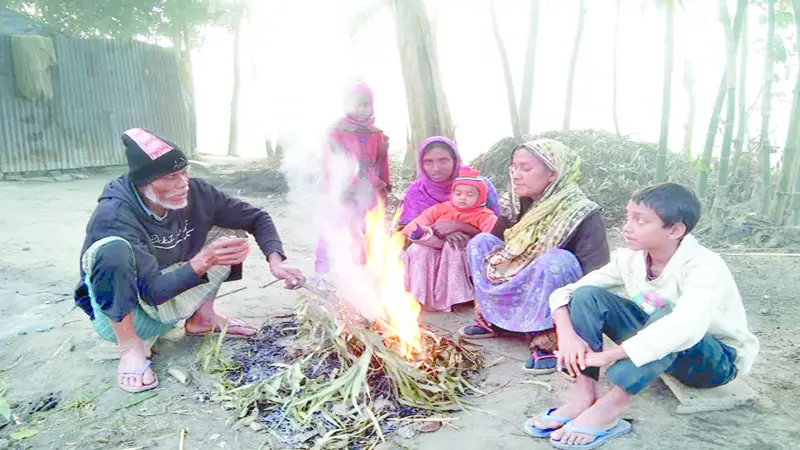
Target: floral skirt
[521, 303]
[437, 278]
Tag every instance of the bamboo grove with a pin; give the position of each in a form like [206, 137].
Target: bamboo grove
[778, 187]
[727, 145]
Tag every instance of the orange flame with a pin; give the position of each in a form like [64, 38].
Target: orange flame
[383, 264]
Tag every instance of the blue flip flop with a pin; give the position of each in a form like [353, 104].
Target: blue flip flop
[600, 436]
[476, 332]
[140, 372]
[540, 363]
[537, 432]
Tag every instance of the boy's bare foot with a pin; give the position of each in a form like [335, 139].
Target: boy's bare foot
[133, 371]
[603, 415]
[584, 392]
[571, 409]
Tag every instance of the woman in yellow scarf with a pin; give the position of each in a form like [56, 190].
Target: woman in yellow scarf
[558, 236]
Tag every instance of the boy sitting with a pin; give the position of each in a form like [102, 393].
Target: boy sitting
[680, 313]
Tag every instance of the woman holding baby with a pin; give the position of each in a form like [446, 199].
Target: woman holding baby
[511, 264]
[437, 274]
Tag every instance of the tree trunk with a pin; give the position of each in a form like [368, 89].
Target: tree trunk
[269, 149]
[704, 163]
[713, 123]
[233, 130]
[573, 63]
[764, 148]
[666, 93]
[741, 131]
[794, 219]
[790, 148]
[688, 126]
[512, 102]
[185, 45]
[787, 162]
[720, 197]
[428, 113]
[615, 63]
[528, 72]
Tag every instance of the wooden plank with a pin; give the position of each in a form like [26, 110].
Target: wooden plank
[759, 254]
[692, 400]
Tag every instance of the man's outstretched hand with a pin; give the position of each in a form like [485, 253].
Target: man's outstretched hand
[291, 277]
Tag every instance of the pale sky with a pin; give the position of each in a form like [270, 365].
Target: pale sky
[303, 55]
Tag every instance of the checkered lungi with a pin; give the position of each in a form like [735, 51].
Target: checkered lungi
[148, 320]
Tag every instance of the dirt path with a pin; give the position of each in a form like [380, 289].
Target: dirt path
[46, 347]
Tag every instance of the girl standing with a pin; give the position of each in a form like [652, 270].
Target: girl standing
[356, 138]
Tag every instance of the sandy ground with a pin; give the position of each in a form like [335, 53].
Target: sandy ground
[47, 347]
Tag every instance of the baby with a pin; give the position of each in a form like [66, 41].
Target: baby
[467, 205]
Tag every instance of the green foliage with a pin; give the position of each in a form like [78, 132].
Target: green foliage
[783, 47]
[126, 19]
[5, 409]
[613, 167]
[360, 20]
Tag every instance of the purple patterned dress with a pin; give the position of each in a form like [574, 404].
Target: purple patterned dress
[521, 303]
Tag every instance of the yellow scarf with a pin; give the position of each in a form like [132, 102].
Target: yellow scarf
[550, 221]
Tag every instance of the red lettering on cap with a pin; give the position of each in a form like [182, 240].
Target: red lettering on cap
[151, 145]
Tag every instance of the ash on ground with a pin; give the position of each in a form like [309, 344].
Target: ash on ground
[274, 346]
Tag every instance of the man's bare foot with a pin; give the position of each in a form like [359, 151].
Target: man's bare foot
[133, 371]
[603, 415]
[150, 348]
[201, 324]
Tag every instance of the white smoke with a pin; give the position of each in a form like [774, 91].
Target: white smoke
[330, 219]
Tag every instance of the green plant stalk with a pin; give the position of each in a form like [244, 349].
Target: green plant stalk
[688, 126]
[528, 71]
[136, 402]
[764, 148]
[713, 124]
[790, 147]
[509, 80]
[573, 64]
[720, 199]
[787, 163]
[795, 200]
[666, 93]
[234, 125]
[711, 135]
[614, 76]
[741, 130]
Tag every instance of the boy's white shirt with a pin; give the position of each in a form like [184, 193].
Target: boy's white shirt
[701, 286]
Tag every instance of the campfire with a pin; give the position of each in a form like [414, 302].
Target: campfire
[329, 377]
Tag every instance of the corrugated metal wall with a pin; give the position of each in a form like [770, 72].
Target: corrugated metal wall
[101, 88]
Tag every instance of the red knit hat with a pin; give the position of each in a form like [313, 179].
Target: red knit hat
[468, 176]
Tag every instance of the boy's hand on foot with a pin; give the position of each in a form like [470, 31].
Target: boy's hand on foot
[597, 359]
[606, 357]
[571, 353]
